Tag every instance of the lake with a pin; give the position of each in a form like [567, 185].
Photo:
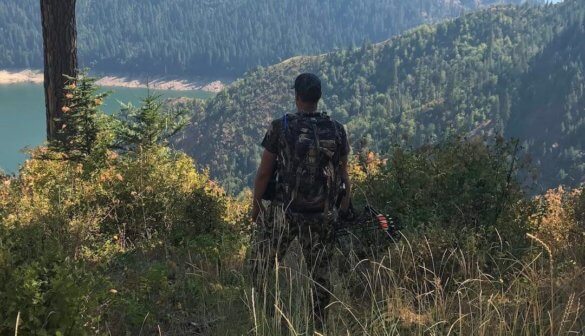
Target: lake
[22, 116]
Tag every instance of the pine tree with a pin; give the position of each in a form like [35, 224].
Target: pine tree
[60, 49]
[81, 120]
[149, 125]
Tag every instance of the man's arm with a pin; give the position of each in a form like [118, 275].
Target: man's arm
[345, 202]
[263, 176]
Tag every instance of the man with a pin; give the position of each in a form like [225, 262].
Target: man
[305, 155]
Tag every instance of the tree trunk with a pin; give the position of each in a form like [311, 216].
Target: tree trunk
[60, 49]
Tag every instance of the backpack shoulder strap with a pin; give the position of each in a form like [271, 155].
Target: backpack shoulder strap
[285, 122]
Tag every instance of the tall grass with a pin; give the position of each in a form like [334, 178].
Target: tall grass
[405, 290]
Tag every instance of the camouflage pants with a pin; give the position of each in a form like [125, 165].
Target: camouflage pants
[273, 237]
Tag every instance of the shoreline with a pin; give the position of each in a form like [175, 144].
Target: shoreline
[17, 77]
[30, 76]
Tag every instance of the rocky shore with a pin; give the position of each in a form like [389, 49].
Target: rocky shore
[36, 77]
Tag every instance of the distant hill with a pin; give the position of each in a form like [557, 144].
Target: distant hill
[512, 70]
[549, 112]
[215, 37]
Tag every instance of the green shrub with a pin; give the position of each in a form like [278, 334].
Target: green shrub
[51, 289]
[97, 240]
[460, 193]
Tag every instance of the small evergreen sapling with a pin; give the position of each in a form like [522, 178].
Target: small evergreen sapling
[82, 120]
[149, 125]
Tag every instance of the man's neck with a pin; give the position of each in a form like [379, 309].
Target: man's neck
[307, 108]
[307, 111]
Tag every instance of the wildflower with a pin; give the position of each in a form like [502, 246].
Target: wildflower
[113, 291]
[65, 109]
[69, 96]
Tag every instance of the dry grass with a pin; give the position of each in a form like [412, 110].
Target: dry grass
[407, 290]
[382, 298]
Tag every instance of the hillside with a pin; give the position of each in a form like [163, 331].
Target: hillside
[549, 114]
[214, 37]
[108, 231]
[474, 75]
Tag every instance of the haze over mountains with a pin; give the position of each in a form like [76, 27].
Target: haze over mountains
[216, 37]
[516, 71]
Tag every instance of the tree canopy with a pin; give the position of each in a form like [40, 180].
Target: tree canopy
[515, 71]
[218, 37]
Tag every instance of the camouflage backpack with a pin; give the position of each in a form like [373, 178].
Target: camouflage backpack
[307, 171]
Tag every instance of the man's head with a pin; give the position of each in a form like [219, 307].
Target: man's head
[307, 92]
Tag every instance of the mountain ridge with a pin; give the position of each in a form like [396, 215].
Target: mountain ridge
[214, 37]
[433, 82]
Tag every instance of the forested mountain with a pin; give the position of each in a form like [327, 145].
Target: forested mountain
[512, 70]
[215, 36]
[549, 112]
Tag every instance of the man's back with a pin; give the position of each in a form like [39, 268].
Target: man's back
[309, 153]
[309, 148]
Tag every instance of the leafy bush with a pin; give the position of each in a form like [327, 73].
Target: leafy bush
[561, 227]
[94, 239]
[460, 193]
[49, 288]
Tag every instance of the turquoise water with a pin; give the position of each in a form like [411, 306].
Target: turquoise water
[22, 117]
